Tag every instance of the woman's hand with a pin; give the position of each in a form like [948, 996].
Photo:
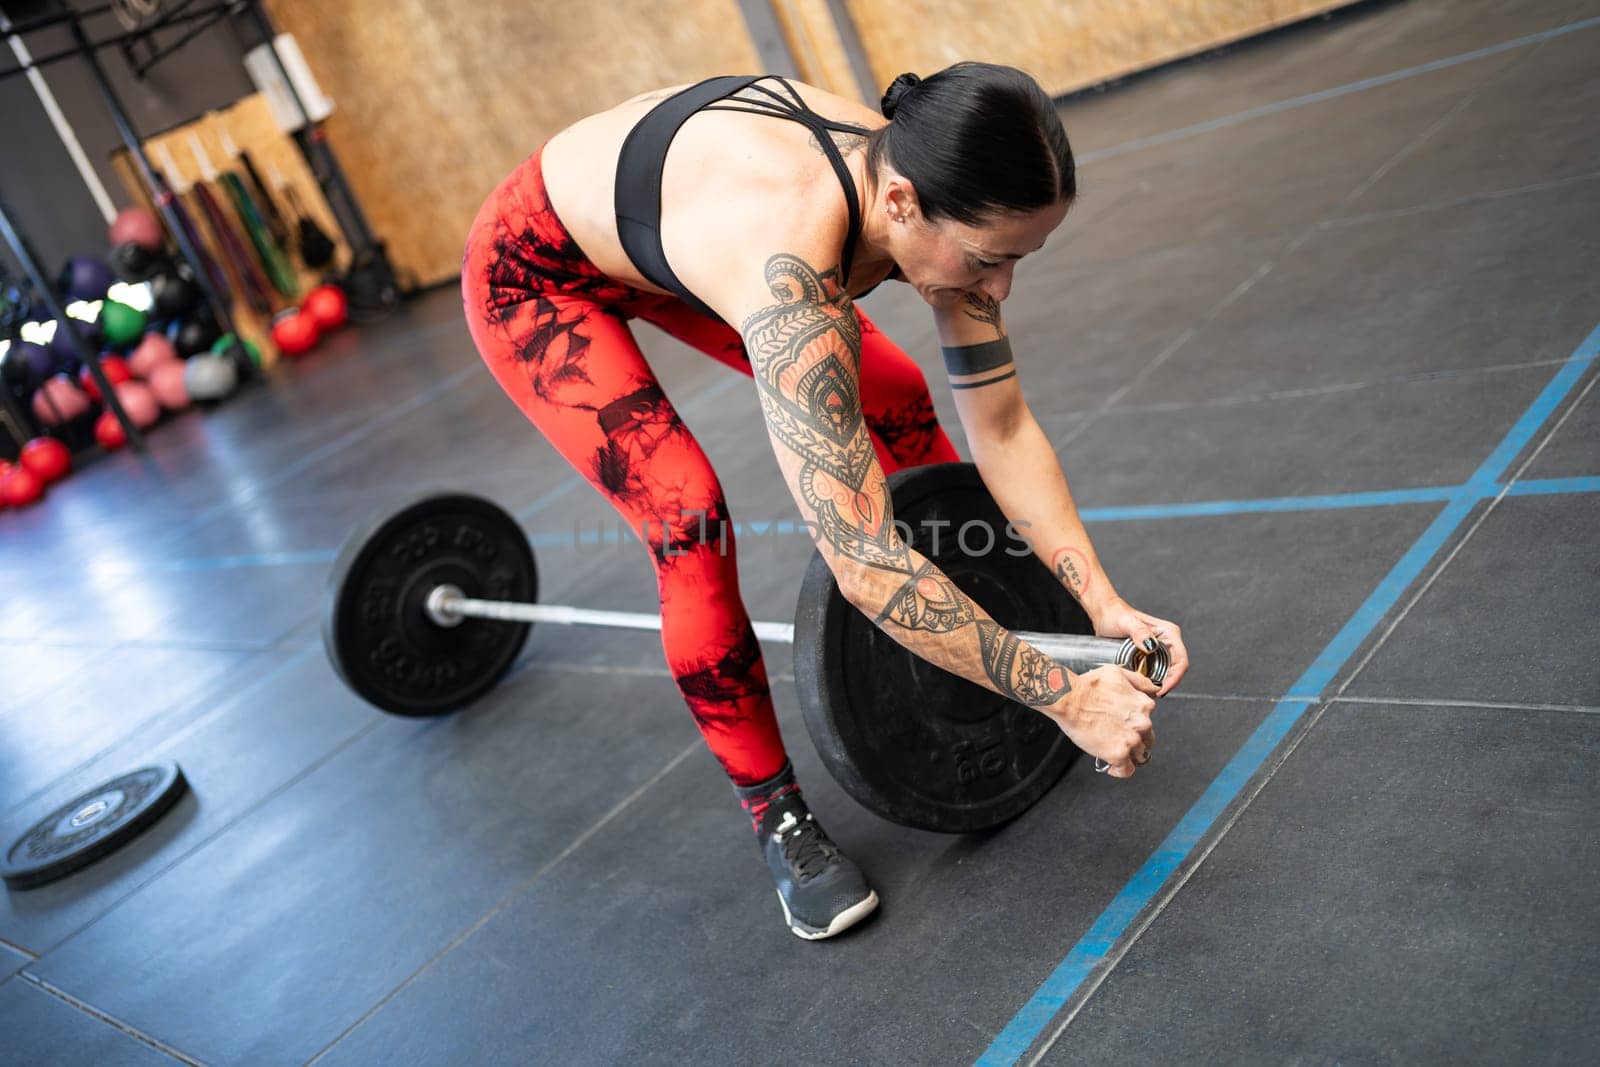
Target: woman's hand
[1107, 714]
[1117, 618]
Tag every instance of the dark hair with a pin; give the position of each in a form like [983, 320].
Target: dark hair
[975, 139]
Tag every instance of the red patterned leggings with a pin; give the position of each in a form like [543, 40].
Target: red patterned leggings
[554, 331]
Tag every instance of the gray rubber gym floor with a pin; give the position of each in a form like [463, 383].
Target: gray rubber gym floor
[1317, 349]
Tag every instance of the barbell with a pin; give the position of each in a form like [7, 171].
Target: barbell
[429, 606]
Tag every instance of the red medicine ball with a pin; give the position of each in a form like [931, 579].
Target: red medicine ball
[295, 332]
[115, 368]
[47, 458]
[108, 431]
[21, 487]
[328, 306]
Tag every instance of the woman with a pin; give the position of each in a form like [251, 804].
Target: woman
[778, 205]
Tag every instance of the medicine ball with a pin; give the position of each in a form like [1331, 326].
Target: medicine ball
[61, 345]
[84, 278]
[134, 263]
[328, 306]
[46, 457]
[26, 365]
[139, 226]
[153, 349]
[122, 324]
[295, 332]
[210, 378]
[175, 294]
[194, 336]
[167, 383]
[109, 432]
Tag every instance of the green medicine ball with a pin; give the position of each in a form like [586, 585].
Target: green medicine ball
[121, 324]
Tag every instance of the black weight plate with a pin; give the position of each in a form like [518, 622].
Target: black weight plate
[909, 740]
[92, 825]
[376, 630]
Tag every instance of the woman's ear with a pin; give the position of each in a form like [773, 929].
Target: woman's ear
[900, 197]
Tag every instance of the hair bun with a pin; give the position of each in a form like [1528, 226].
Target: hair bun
[896, 92]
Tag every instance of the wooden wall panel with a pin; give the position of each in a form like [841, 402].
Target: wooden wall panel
[437, 100]
[1065, 44]
[814, 43]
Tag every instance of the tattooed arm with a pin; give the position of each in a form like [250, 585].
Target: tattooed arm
[805, 349]
[1020, 469]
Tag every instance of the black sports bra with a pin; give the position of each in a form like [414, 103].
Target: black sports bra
[644, 151]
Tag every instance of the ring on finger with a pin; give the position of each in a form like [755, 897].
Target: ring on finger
[1101, 766]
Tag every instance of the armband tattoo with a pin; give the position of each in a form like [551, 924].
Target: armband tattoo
[975, 359]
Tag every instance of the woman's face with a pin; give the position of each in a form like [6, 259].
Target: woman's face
[945, 259]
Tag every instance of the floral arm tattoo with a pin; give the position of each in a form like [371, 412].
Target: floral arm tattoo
[805, 350]
[984, 308]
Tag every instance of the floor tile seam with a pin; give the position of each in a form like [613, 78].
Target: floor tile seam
[1459, 201]
[1505, 486]
[1178, 879]
[209, 693]
[391, 414]
[1450, 114]
[509, 898]
[1301, 234]
[127, 1030]
[1470, 705]
[1361, 85]
[154, 723]
[119, 644]
[1090, 266]
[216, 834]
[317, 613]
[1278, 736]
[31, 955]
[1295, 243]
[403, 485]
[1309, 392]
[1234, 295]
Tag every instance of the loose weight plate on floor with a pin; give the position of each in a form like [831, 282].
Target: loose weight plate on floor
[376, 628]
[907, 739]
[92, 825]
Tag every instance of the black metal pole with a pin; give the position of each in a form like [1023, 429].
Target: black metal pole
[39, 62]
[41, 22]
[91, 358]
[161, 194]
[143, 67]
[314, 144]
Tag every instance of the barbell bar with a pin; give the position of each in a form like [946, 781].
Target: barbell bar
[447, 606]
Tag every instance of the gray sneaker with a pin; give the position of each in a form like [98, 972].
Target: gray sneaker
[822, 892]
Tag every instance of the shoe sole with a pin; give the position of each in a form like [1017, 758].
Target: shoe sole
[841, 922]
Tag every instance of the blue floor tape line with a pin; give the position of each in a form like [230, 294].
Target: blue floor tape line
[1063, 983]
[1554, 487]
[598, 534]
[611, 533]
[1324, 502]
